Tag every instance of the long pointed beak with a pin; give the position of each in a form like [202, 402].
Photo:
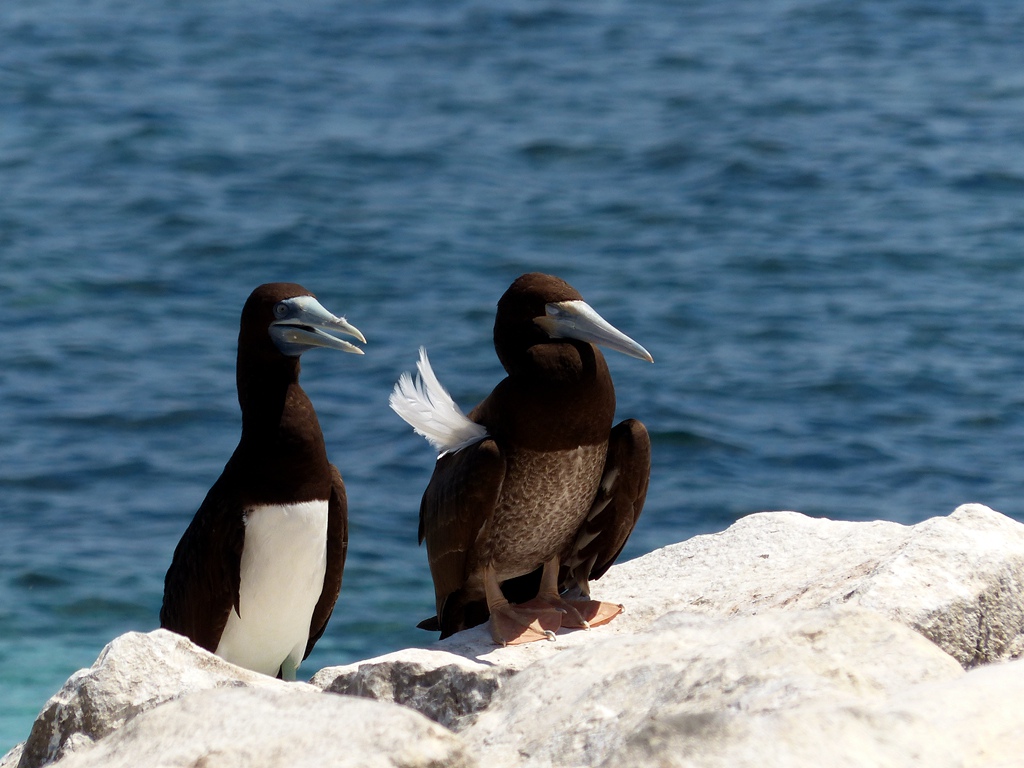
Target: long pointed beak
[306, 324]
[578, 320]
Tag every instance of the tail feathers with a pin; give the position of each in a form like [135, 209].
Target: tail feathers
[428, 408]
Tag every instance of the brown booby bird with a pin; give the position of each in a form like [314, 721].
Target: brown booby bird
[256, 574]
[535, 478]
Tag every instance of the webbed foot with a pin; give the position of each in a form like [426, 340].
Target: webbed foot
[518, 624]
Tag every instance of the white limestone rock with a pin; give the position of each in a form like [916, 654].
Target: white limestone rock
[12, 758]
[134, 673]
[958, 580]
[794, 638]
[696, 685]
[978, 718]
[973, 720]
[269, 728]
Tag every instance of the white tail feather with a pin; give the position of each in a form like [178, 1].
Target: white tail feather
[428, 408]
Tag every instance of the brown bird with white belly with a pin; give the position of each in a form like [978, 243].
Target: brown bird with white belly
[535, 479]
[257, 572]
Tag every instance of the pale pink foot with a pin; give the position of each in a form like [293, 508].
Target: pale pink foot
[518, 624]
[591, 613]
[580, 613]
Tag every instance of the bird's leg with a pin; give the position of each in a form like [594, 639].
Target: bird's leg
[579, 612]
[289, 669]
[516, 624]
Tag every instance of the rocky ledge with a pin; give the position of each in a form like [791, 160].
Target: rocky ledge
[782, 641]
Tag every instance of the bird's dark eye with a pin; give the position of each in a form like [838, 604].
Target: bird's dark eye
[280, 309]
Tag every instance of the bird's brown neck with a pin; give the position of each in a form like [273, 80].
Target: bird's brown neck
[563, 399]
[281, 444]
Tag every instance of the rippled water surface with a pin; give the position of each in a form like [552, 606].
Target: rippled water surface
[812, 214]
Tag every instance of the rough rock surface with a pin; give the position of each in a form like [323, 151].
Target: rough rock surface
[134, 673]
[958, 580]
[12, 758]
[445, 687]
[263, 728]
[702, 683]
[782, 641]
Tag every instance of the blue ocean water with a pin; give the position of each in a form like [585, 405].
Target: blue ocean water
[811, 212]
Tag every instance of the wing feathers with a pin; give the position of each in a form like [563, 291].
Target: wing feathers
[337, 548]
[202, 583]
[615, 511]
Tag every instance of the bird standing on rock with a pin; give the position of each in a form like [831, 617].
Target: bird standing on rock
[256, 574]
[535, 477]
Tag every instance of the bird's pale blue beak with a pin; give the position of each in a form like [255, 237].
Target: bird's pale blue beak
[578, 320]
[302, 323]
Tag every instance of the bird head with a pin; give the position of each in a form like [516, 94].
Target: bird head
[539, 312]
[284, 319]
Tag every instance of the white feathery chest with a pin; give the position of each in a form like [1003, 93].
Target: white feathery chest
[282, 575]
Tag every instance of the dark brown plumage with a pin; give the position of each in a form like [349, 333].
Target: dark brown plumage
[551, 490]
